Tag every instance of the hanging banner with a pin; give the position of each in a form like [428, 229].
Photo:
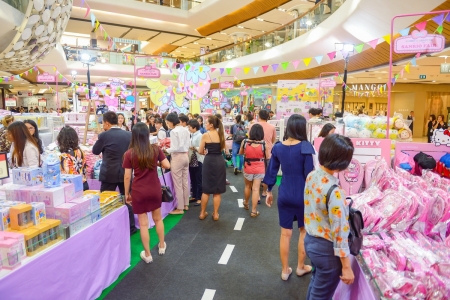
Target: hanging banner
[148, 72]
[10, 102]
[296, 97]
[42, 102]
[226, 85]
[327, 83]
[46, 77]
[419, 42]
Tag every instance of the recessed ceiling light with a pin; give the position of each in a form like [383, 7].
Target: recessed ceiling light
[434, 81]
[209, 38]
[22, 83]
[239, 26]
[223, 33]
[281, 9]
[195, 43]
[263, 31]
[259, 19]
[184, 47]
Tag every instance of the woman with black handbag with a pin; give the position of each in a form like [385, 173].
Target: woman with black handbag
[143, 158]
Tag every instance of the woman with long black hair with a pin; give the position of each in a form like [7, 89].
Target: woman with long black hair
[34, 131]
[24, 150]
[142, 158]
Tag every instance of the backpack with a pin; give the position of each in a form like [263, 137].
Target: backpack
[239, 134]
[263, 143]
[356, 222]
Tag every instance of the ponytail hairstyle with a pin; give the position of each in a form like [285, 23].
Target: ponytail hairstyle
[217, 124]
[238, 119]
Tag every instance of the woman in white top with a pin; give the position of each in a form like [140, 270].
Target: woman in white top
[179, 146]
[121, 122]
[24, 150]
[162, 132]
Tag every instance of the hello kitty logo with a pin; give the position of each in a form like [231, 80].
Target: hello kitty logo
[352, 172]
[441, 137]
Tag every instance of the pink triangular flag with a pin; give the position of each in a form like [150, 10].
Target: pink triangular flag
[373, 43]
[331, 55]
[265, 68]
[237, 70]
[213, 69]
[88, 9]
[295, 64]
[418, 55]
[421, 25]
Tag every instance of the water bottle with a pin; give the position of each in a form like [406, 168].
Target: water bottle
[52, 171]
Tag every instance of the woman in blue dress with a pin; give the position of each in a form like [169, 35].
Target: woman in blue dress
[295, 157]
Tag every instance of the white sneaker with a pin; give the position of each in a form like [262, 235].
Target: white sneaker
[147, 259]
[162, 251]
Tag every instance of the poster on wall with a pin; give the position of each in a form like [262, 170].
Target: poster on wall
[296, 97]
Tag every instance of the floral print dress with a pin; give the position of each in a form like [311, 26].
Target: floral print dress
[74, 163]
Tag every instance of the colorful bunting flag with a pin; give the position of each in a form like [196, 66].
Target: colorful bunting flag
[236, 70]
[284, 65]
[255, 69]
[88, 9]
[228, 71]
[187, 67]
[421, 25]
[93, 20]
[275, 67]
[221, 71]
[319, 59]
[404, 32]
[246, 70]
[306, 61]
[387, 38]
[295, 64]
[213, 69]
[440, 29]
[359, 47]
[373, 43]
[413, 62]
[265, 68]
[332, 55]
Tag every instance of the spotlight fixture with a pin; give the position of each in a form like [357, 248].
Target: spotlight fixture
[73, 72]
[309, 22]
[259, 19]
[239, 26]
[268, 45]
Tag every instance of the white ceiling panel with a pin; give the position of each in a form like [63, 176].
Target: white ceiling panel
[184, 41]
[79, 27]
[140, 35]
[113, 31]
[258, 25]
[165, 38]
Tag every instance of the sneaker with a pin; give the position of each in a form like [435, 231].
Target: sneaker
[227, 182]
[147, 259]
[162, 251]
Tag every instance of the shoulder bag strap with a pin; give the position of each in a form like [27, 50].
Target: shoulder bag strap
[329, 193]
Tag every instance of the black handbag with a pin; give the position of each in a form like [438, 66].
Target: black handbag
[167, 195]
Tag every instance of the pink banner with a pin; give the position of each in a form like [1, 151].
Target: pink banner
[327, 83]
[419, 41]
[45, 77]
[148, 72]
[227, 85]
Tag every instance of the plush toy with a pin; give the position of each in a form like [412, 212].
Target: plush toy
[380, 122]
[393, 133]
[351, 121]
[405, 135]
[399, 123]
[381, 133]
[365, 133]
[351, 132]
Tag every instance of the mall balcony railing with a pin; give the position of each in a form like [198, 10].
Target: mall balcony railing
[180, 4]
[20, 5]
[104, 56]
[294, 29]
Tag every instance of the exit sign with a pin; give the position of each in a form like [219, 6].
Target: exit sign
[422, 76]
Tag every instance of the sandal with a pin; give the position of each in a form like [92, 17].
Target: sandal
[215, 218]
[186, 207]
[303, 271]
[245, 205]
[198, 203]
[204, 216]
[254, 214]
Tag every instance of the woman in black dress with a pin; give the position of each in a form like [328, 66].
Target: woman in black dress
[214, 173]
[430, 125]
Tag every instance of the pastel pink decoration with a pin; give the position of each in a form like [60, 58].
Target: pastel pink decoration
[419, 34]
[69, 191]
[373, 242]
[111, 102]
[84, 206]
[351, 179]
[68, 213]
[10, 253]
[50, 196]
[5, 235]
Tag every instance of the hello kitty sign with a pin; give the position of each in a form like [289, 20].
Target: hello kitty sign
[441, 137]
[419, 42]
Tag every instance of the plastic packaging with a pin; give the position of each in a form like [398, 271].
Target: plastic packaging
[52, 171]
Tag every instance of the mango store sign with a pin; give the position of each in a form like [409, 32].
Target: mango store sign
[45, 77]
[148, 72]
[419, 42]
[365, 87]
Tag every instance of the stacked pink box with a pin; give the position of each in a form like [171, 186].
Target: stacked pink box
[6, 235]
[84, 206]
[68, 213]
[10, 253]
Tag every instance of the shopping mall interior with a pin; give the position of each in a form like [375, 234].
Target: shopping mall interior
[379, 71]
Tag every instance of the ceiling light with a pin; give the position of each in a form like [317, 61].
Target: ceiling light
[433, 81]
[195, 43]
[349, 47]
[239, 26]
[184, 47]
[74, 72]
[309, 22]
[268, 44]
[208, 38]
[223, 33]
[281, 9]
[30, 86]
[85, 57]
[259, 19]
[22, 83]
[263, 31]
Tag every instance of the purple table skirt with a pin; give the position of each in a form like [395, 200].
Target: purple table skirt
[165, 208]
[79, 268]
[360, 289]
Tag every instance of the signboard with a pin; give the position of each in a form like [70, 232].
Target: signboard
[419, 42]
[296, 97]
[84, 103]
[10, 102]
[445, 68]
[226, 85]
[148, 72]
[42, 102]
[327, 83]
[45, 77]
[422, 76]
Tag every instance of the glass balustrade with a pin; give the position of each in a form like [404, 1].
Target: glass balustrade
[20, 5]
[301, 25]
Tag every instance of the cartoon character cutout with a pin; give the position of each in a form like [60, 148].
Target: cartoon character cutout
[441, 137]
[351, 174]
[216, 98]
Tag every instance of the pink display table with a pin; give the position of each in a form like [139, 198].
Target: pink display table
[78, 268]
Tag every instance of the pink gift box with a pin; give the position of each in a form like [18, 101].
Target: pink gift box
[50, 212]
[50, 196]
[84, 206]
[68, 213]
[26, 193]
[95, 201]
[5, 235]
[69, 191]
[10, 253]
[12, 191]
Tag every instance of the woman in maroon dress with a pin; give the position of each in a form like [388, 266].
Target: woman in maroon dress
[146, 196]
